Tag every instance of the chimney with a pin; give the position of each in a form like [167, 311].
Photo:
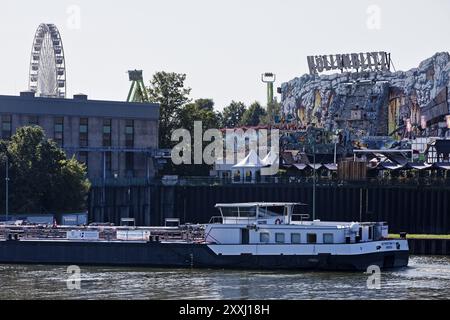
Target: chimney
[80, 97]
[27, 94]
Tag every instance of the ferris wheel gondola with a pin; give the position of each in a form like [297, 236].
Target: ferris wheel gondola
[47, 66]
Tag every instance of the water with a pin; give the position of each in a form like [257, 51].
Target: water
[425, 278]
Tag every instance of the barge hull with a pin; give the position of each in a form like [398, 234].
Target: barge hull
[183, 255]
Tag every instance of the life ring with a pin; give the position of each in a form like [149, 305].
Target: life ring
[278, 221]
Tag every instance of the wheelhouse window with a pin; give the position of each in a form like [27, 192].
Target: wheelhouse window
[311, 238]
[242, 212]
[268, 212]
[328, 238]
[264, 237]
[279, 238]
[84, 124]
[295, 238]
[59, 131]
[6, 127]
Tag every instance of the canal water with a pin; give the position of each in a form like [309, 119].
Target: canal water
[425, 278]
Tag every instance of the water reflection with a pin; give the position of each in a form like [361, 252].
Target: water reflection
[425, 278]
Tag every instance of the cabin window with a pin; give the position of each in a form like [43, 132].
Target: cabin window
[328, 238]
[295, 238]
[279, 238]
[264, 237]
[312, 238]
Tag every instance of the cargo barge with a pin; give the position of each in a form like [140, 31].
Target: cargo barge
[244, 236]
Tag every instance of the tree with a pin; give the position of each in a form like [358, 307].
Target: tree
[254, 115]
[201, 110]
[273, 112]
[168, 90]
[205, 104]
[42, 179]
[232, 114]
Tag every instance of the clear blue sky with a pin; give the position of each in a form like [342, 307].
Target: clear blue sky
[223, 46]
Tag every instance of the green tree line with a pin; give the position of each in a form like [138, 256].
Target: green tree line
[179, 111]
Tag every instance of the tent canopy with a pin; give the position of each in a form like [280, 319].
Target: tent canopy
[271, 159]
[252, 161]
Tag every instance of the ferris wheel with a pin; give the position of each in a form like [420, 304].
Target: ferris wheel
[48, 65]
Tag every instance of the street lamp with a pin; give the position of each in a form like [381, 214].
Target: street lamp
[7, 189]
[314, 181]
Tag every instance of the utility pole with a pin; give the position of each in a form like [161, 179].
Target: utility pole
[269, 78]
[7, 189]
[314, 181]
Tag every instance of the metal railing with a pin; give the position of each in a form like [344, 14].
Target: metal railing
[321, 181]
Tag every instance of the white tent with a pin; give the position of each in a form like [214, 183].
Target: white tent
[251, 161]
[249, 166]
[271, 159]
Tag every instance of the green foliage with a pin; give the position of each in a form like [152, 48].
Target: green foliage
[232, 115]
[42, 179]
[168, 90]
[201, 110]
[254, 115]
[273, 110]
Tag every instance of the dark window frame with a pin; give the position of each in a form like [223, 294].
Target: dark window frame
[58, 130]
[311, 238]
[107, 132]
[84, 132]
[6, 120]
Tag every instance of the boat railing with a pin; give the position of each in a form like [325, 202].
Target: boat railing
[192, 233]
[216, 220]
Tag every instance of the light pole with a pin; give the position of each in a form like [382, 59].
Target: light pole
[269, 78]
[314, 181]
[7, 189]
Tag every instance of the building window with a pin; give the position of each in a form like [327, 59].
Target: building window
[129, 161]
[33, 120]
[108, 162]
[328, 238]
[279, 238]
[83, 158]
[295, 238]
[129, 134]
[312, 238]
[264, 237]
[59, 131]
[107, 133]
[6, 127]
[84, 138]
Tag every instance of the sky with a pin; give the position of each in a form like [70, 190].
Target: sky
[223, 46]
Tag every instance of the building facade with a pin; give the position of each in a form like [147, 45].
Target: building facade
[114, 139]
